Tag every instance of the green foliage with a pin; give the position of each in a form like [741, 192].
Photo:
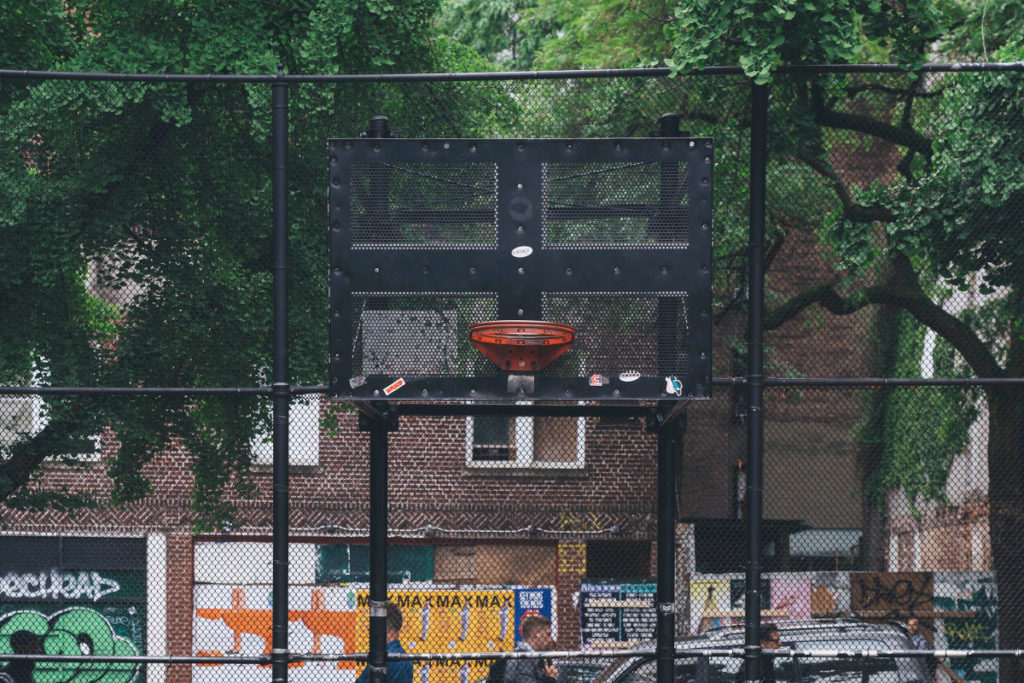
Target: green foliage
[920, 466]
[760, 35]
[492, 28]
[980, 29]
[600, 34]
[37, 33]
[163, 192]
[962, 220]
[559, 34]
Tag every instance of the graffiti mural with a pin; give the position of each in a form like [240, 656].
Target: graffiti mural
[970, 609]
[332, 619]
[73, 631]
[55, 585]
[73, 595]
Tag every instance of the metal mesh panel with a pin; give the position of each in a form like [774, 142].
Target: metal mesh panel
[401, 335]
[430, 205]
[571, 191]
[616, 332]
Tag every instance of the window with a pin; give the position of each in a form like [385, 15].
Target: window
[619, 560]
[303, 435]
[524, 442]
[19, 419]
[23, 417]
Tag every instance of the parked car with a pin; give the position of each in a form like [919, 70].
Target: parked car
[839, 635]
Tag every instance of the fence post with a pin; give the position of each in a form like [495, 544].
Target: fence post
[755, 379]
[281, 386]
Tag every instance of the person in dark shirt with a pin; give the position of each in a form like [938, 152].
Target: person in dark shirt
[536, 631]
[398, 672]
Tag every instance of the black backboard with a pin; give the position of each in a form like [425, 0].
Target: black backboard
[611, 236]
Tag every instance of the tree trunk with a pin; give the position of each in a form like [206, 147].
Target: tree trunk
[1006, 520]
[885, 341]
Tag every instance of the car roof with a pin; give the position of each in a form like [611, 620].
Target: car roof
[816, 629]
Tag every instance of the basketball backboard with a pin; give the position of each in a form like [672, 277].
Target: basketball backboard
[609, 236]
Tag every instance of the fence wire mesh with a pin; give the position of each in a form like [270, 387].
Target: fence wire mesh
[137, 252]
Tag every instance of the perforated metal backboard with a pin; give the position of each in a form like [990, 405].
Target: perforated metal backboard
[611, 236]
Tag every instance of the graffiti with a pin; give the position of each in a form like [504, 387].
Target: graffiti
[972, 632]
[73, 631]
[572, 521]
[891, 595]
[335, 620]
[55, 585]
[970, 607]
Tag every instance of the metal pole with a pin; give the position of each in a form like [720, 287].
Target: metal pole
[378, 426]
[281, 388]
[377, 418]
[666, 591]
[755, 379]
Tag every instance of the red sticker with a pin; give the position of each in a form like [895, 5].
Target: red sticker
[394, 386]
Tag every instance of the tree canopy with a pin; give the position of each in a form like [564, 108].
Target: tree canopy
[136, 228]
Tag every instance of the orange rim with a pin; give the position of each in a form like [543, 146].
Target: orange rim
[521, 345]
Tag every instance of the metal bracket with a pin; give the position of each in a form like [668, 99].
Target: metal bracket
[667, 415]
[376, 412]
[521, 384]
[378, 608]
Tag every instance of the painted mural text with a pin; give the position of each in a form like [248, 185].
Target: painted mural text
[57, 585]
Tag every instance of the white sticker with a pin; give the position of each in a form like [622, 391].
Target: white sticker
[522, 252]
[394, 386]
[629, 376]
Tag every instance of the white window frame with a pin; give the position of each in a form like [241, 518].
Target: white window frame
[303, 417]
[523, 448]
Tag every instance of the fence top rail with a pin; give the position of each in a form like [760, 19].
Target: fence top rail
[680, 653]
[303, 390]
[499, 75]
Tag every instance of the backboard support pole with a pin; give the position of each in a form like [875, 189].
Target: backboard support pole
[378, 424]
[668, 422]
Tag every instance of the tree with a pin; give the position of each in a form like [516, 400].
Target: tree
[953, 215]
[162, 192]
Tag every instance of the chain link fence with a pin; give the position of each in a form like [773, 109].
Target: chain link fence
[136, 344]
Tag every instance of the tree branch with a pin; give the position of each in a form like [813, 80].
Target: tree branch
[927, 312]
[865, 124]
[851, 209]
[874, 87]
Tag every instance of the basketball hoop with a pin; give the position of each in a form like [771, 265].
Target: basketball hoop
[521, 345]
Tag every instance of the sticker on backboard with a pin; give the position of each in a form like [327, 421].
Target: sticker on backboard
[398, 384]
[357, 381]
[522, 252]
[598, 380]
[673, 386]
[629, 376]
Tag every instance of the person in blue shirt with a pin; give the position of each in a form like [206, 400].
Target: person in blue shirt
[398, 672]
